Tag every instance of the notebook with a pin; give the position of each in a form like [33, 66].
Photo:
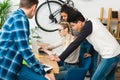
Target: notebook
[47, 68]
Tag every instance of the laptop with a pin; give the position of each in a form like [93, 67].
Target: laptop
[35, 47]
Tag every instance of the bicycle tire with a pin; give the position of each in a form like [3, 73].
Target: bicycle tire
[38, 16]
[70, 3]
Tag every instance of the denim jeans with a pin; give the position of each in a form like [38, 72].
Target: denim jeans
[106, 69]
[94, 63]
[27, 74]
[63, 71]
[86, 47]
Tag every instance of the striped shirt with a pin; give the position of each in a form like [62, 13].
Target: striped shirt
[14, 47]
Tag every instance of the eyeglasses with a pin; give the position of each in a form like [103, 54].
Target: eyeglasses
[60, 30]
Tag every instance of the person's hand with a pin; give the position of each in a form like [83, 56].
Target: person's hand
[48, 51]
[50, 76]
[40, 48]
[43, 49]
[86, 55]
[54, 57]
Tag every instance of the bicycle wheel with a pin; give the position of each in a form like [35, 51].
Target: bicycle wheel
[70, 3]
[42, 16]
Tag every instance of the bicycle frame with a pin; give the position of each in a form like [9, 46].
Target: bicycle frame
[67, 1]
[53, 14]
[61, 1]
[49, 6]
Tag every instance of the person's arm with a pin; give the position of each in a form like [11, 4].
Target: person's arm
[21, 34]
[85, 31]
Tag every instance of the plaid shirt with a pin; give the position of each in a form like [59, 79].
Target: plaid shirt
[14, 47]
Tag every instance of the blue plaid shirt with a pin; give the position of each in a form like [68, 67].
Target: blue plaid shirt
[14, 47]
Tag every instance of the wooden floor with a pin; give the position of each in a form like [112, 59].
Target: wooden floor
[117, 74]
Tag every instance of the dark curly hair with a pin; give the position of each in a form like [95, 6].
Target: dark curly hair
[76, 16]
[67, 9]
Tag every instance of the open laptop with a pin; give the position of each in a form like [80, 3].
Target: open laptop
[35, 47]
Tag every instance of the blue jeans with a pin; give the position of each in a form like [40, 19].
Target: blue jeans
[86, 47]
[106, 69]
[63, 71]
[94, 63]
[28, 74]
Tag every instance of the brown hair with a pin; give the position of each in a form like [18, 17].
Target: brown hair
[67, 9]
[76, 16]
[66, 25]
[27, 3]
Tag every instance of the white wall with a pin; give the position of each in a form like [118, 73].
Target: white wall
[90, 8]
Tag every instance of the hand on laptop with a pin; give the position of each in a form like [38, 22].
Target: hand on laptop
[54, 57]
[41, 50]
[51, 54]
[46, 51]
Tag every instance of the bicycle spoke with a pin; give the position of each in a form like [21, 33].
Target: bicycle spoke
[46, 21]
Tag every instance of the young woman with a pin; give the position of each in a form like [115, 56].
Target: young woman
[66, 38]
[64, 30]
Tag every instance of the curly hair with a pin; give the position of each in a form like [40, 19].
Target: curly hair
[67, 9]
[76, 16]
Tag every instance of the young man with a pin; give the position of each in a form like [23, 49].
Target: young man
[85, 47]
[14, 46]
[102, 41]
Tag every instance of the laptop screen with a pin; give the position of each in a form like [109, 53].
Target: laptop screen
[34, 45]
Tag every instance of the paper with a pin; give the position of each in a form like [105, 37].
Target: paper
[47, 67]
